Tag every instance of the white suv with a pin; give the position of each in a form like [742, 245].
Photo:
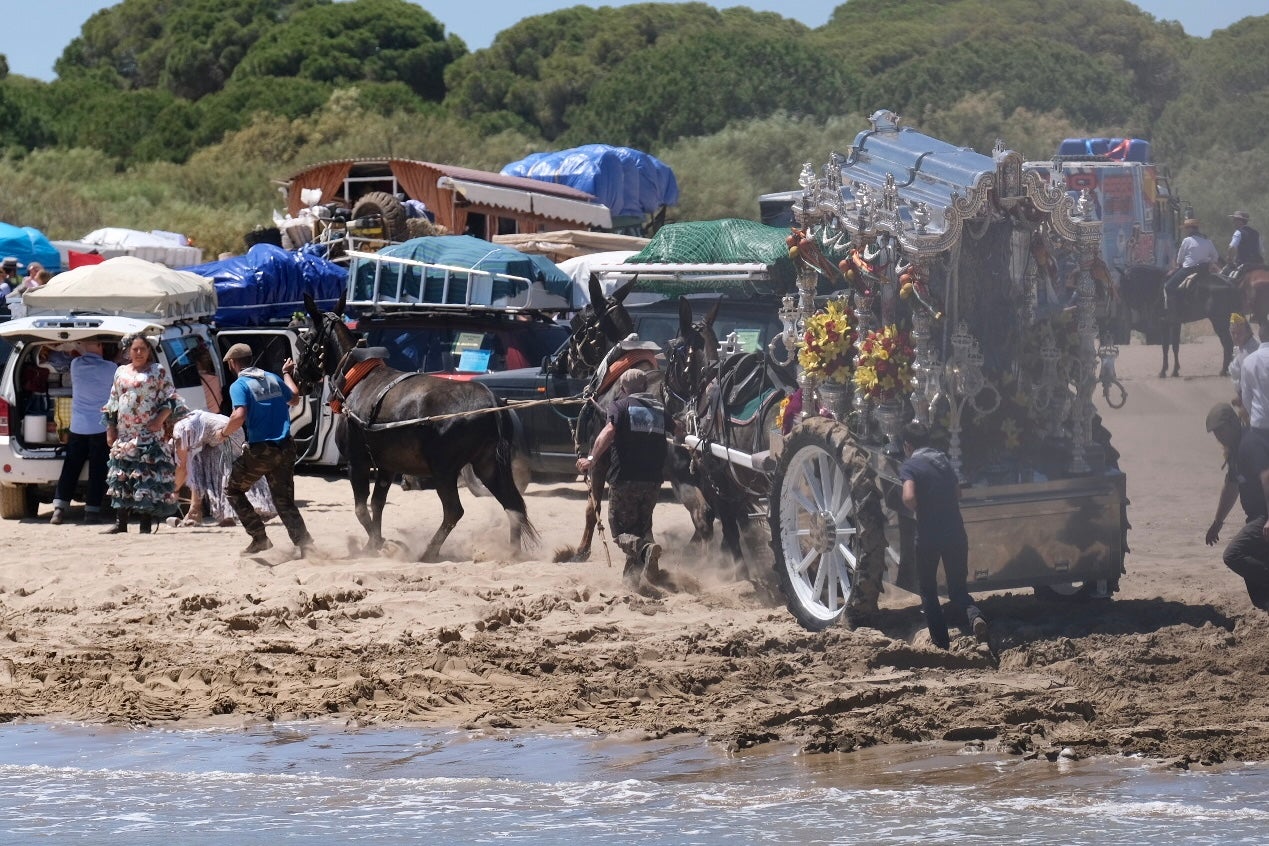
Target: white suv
[31, 452]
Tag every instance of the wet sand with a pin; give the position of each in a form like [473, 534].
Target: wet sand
[178, 626]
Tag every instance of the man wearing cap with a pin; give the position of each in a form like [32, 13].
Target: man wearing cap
[261, 402]
[1244, 247]
[1247, 481]
[636, 432]
[1196, 253]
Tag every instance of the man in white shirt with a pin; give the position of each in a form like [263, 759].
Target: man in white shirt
[1196, 253]
[1253, 384]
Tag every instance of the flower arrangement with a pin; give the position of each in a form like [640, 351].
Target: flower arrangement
[884, 369]
[828, 344]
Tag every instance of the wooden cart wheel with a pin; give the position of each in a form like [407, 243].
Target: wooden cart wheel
[826, 521]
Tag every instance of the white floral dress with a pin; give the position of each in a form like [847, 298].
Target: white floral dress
[141, 472]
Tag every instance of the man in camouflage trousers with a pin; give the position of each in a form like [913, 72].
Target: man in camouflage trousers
[636, 432]
[261, 402]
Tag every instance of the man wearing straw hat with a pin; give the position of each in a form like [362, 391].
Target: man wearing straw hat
[1244, 247]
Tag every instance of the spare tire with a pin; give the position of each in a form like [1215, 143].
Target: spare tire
[387, 207]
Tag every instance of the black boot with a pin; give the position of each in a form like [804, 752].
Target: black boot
[143, 525]
[121, 523]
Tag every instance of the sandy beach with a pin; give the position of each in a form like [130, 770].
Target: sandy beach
[177, 626]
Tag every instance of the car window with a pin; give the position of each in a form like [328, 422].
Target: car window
[183, 356]
[435, 349]
[753, 332]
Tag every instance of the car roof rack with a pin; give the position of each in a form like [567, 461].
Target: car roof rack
[378, 282]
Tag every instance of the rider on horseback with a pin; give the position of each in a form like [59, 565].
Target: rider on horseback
[1244, 247]
[1196, 254]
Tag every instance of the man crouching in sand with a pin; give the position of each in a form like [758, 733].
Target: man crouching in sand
[636, 431]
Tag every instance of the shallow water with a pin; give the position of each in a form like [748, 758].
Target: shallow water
[314, 783]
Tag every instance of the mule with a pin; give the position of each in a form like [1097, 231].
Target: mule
[733, 402]
[592, 353]
[397, 422]
[1203, 297]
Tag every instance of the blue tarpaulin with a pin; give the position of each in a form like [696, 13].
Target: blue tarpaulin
[28, 245]
[268, 284]
[631, 183]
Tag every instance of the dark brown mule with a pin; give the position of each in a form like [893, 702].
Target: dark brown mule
[597, 330]
[396, 422]
[732, 402]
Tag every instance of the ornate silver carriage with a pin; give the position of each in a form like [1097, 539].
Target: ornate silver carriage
[990, 280]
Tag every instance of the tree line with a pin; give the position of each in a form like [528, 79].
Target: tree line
[154, 91]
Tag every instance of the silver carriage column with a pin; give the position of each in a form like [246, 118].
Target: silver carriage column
[1084, 368]
[965, 384]
[807, 212]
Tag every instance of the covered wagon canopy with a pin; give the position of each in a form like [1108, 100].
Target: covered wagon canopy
[923, 191]
[451, 193]
[128, 287]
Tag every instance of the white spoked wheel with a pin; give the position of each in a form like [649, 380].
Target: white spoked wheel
[827, 528]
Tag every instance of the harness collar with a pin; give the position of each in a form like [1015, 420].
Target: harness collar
[355, 374]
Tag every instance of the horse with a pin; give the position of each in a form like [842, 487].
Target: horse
[1202, 296]
[733, 402]
[1253, 281]
[397, 422]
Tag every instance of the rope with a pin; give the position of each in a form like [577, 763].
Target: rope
[420, 421]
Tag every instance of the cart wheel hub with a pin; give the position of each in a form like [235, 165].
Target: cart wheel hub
[823, 531]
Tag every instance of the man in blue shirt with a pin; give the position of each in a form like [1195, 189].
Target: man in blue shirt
[931, 489]
[262, 403]
[91, 379]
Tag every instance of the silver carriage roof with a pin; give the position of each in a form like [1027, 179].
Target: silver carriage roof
[922, 191]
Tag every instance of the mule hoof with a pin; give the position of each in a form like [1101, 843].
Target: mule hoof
[1163, 374]
[1224, 372]
[1176, 372]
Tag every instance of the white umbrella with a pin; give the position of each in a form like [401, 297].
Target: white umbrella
[128, 287]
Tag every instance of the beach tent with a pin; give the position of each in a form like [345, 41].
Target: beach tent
[28, 245]
[126, 286]
[268, 284]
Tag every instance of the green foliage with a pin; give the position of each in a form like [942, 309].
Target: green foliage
[978, 120]
[542, 68]
[235, 106]
[189, 48]
[695, 85]
[1114, 33]
[1223, 103]
[374, 40]
[1036, 75]
[723, 174]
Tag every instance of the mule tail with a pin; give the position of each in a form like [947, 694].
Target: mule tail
[506, 456]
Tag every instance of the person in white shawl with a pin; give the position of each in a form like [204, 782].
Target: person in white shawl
[203, 464]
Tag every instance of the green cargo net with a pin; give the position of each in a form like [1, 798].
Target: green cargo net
[720, 242]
